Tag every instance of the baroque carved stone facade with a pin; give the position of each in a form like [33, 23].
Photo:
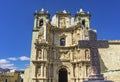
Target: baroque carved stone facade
[55, 54]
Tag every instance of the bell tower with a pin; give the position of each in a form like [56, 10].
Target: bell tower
[40, 19]
[40, 39]
[83, 18]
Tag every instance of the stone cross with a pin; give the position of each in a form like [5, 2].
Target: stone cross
[93, 44]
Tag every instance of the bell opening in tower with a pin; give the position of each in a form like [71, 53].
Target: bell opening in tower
[41, 23]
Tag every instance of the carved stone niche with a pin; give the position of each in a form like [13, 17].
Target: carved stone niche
[39, 54]
[88, 70]
[78, 31]
[38, 70]
[40, 38]
[63, 22]
[87, 54]
[78, 53]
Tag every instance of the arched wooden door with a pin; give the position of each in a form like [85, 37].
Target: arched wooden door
[63, 75]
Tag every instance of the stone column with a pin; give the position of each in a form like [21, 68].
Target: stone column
[35, 21]
[44, 33]
[85, 71]
[73, 74]
[77, 73]
[42, 54]
[42, 70]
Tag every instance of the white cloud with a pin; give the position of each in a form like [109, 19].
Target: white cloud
[6, 64]
[3, 61]
[24, 58]
[27, 65]
[12, 58]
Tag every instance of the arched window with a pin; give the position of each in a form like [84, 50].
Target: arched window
[62, 42]
[83, 23]
[41, 22]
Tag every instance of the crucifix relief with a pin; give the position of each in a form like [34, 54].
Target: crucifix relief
[93, 44]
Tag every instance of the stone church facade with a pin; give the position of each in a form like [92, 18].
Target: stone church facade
[55, 56]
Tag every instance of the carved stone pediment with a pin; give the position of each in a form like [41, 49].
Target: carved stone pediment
[62, 36]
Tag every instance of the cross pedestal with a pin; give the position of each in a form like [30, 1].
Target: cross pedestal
[93, 44]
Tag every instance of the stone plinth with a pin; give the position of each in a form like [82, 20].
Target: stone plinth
[98, 81]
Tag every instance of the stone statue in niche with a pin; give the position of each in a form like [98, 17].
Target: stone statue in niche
[38, 70]
[39, 54]
[88, 71]
[78, 54]
[80, 70]
[87, 54]
[41, 35]
[73, 41]
[40, 38]
[63, 23]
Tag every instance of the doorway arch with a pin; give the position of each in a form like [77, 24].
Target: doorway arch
[63, 75]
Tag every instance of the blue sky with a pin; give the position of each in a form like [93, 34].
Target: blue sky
[16, 24]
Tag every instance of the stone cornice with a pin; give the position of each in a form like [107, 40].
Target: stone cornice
[66, 47]
[63, 14]
[41, 13]
[69, 29]
[87, 61]
[114, 41]
[82, 15]
[39, 61]
[40, 78]
[35, 30]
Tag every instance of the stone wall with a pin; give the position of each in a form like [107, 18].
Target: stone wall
[110, 61]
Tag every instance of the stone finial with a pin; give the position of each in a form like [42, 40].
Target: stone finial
[64, 11]
[81, 11]
[42, 9]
